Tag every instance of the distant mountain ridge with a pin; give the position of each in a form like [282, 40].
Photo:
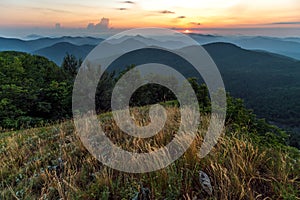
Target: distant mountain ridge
[29, 46]
[285, 46]
[58, 51]
[264, 80]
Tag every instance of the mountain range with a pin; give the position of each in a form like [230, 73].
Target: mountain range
[286, 46]
[58, 51]
[33, 45]
[263, 79]
[48, 47]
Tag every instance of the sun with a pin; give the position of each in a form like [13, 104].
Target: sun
[187, 31]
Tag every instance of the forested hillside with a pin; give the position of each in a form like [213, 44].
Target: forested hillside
[33, 91]
[251, 160]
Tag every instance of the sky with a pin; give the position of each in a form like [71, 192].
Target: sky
[86, 16]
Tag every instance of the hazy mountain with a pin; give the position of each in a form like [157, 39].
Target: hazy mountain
[286, 46]
[275, 45]
[264, 80]
[11, 44]
[292, 39]
[33, 37]
[205, 39]
[167, 43]
[58, 51]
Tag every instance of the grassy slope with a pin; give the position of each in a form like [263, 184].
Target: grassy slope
[51, 163]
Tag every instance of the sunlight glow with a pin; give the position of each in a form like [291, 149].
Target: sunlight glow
[211, 4]
[155, 13]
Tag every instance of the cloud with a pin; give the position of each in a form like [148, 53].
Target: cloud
[166, 12]
[125, 6]
[282, 23]
[50, 10]
[128, 2]
[195, 23]
[181, 17]
[102, 25]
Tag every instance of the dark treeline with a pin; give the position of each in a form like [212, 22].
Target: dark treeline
[35, 91]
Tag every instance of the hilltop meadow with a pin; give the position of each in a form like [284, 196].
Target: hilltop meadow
[42, 156]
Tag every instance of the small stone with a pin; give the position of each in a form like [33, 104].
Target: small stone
[205, 182]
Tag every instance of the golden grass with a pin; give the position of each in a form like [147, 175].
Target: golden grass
[51, 163]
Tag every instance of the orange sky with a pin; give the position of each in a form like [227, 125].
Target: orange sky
[145, 13]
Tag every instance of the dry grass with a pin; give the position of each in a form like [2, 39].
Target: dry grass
[51, 163]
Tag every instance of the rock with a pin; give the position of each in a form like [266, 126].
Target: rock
[205, 182]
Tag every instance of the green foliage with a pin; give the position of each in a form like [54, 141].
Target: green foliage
[71, 65]
[33, 90]
[242, 119]
[104, 91]
[202, 94]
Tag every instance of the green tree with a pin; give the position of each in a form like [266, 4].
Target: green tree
[71, 65]
[32, 90]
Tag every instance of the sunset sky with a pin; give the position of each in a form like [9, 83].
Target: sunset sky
[188, 14]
